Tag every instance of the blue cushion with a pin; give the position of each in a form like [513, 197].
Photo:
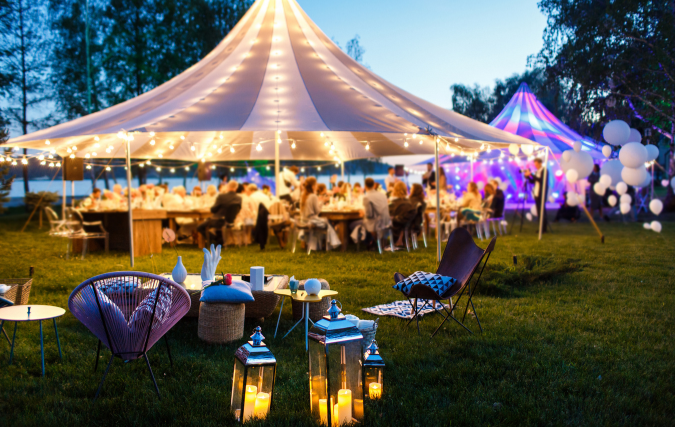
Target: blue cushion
[440, 284]
[238, 292]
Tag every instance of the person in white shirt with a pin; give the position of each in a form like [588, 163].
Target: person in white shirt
[257, 197]
[288, 181]
[390, 180]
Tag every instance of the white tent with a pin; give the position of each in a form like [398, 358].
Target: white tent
[276, 77]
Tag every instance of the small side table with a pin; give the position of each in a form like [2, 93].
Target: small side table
[20, 313]
[305, 299]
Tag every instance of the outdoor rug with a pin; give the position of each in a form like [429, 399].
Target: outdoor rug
[402, 309]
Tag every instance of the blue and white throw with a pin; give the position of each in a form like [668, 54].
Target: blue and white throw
[404, 309]
[437, 282]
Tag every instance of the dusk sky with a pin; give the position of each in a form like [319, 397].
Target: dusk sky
[425, 46]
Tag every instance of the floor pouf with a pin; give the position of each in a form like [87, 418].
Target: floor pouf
[221, 323]
[316, 309]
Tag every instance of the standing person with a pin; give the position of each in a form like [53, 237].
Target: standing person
[225, 210]
[375, 213]
[442, 180]
[540, 191]
[596, 199]
[497, 203]
[390, 180]
[288, 180]
[429, 177]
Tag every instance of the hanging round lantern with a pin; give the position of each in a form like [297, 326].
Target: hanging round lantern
[335, 376]
[373, 371]
[253, 380]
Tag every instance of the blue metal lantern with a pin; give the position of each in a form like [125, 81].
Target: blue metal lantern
[373, 370]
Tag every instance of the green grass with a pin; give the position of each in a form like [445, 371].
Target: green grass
[578, 333]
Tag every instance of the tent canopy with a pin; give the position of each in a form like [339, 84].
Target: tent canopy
[276, 76]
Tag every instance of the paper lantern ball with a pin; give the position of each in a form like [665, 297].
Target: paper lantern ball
[646, 182]
[656, 206]
[533, 210]
[612, 200]
[567, 155]
[633, 155]
[652, 152]
[664, 183]
[528, 216]
[621, 188]
[625, 198]
[672, 182]
[613, 169]
[599, 189]
[634, 136]
[572, 175]
[656, 226]
[504, 186]
[647, 226]
[572, 199]
[606, 180]
[514, 149]
[577, 146]
[527, 149]
[480, 185]
[634, 176]
[607, 151]
[582, 162]
[551, 199]
[616, 132]
[625, 208]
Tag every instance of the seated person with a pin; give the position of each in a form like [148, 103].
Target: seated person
[497, 204]
[416, 194]
[375, 212]
[322, 194]
[267, 190]
[357, 195]
[249, 209]
[401, 211]
[257, 197]
[225, 209]
[94, 199]
[310, 207]
[197, 191]
[209, 199]
[567, 212]
[470, 204]
[117, 192]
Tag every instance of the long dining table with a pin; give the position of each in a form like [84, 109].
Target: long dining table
[341, 219]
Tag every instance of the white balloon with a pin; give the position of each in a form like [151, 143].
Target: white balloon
[582, 162]
[572, 175]
[672, 182]
[634, 176]
[626, 198]
[599, 189]
[664, 182]
[567, 155]
[633, 155]
[480, 185]
[572, 199]
[625, 208]
[621, 188]
[656, 206]
[498, 179]
[652, 152]
[613, 169]
[577, 146]
[527, 149]
[634, 136]
[616, 132]
[514, 149]
[646, 182]
[528, 216]
[607, 151]
[606, 180]
[656, 226]
[504, 186]
[533, 210]
[551, 199]
[612, 200]
[647, 226]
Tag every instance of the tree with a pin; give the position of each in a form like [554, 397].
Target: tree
[474, 102]
[6, 179]
[617, 57]
[23, 60]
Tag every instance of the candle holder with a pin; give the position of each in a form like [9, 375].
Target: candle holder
[373, 367]
[253, 380]
[335, 358]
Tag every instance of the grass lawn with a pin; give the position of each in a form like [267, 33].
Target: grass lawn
[578, 333]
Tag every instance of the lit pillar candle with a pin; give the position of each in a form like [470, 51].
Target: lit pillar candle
[249, 401]
[344, 406]
[318, 383]
[262, 404]
[358, 409]
[375, 390]
[323, 409]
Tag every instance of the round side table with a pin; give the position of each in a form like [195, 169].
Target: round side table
[305, 299]
[31, 313]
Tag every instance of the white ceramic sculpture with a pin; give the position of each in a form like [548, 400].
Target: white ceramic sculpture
[179, 273]
[312, 286]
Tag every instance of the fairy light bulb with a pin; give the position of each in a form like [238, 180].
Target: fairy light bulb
[293, 144]
[318, 168]
[96, 138]
[367, 146]
[152, 134]
[152, 142]
[187, 168]
[193, 148]
[47, 142]
[182, 137]
[279, 141]
[231, 149]
[231, 169]
[405, 144]
[172, 170]
[171, 147]
[258, 147]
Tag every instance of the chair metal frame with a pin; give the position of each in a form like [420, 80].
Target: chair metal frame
[4, 302]
[114, 344]
[299, 225]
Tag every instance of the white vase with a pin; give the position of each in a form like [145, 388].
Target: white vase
[179, 273]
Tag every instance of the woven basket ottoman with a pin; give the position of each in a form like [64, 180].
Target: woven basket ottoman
[221, 323]
[316, 310]
[19, 292]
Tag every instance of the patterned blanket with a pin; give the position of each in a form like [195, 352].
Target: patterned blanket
[403, 309]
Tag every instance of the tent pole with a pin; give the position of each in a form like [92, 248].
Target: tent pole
[438, 207]
[277, 170]
[72, 193]
[542, 187]
[342, 171]
[131, 218]
[63, 205]
[471, 168]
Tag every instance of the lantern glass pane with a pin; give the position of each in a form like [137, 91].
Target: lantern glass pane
[344, 373]
[317, 375]
[237, 387]
[372, 374]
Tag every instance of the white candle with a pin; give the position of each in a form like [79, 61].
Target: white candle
[323, 409]
[262, 404]
[344, 406]
[249, 401]
[375, 390]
